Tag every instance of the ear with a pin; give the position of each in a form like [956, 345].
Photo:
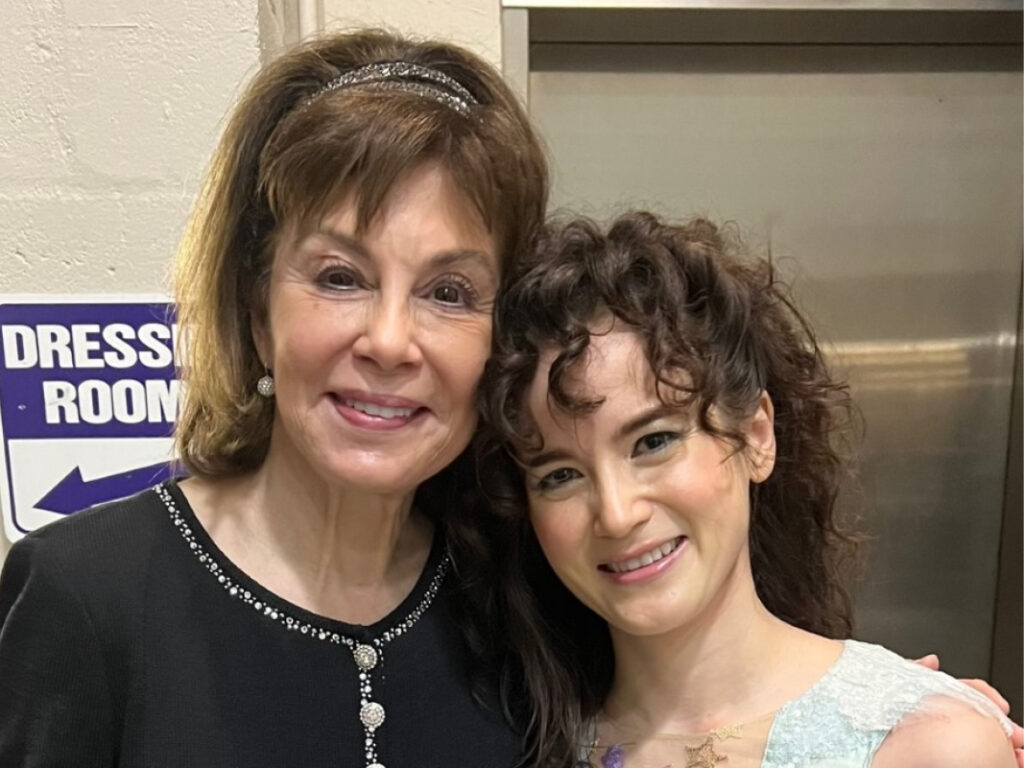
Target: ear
[259, 309]
[760, 435]
[261, 337]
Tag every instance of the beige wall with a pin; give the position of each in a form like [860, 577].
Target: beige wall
[110, 110]
[475, 24]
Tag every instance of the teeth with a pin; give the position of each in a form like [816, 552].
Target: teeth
[379, 410]
[646, 558]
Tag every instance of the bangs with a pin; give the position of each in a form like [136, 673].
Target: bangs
[355, 145]
[683, 378]
[679, 290]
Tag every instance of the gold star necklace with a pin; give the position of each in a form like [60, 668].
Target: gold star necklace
[702, 755]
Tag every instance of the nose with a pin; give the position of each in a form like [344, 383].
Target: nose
[389, 338]
[620, 507]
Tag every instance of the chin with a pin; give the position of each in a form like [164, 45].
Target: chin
[380, 477]
[645, 627]
[651, 620]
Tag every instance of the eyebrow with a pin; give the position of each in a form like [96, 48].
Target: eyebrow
[346, 242]
[547, 456]
[440, 259]
[639, 422]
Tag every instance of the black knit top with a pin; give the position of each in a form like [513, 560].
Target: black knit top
[128, 639]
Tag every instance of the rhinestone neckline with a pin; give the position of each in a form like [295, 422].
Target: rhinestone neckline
[366, 655]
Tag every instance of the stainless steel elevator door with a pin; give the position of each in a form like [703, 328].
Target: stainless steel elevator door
[887, 181]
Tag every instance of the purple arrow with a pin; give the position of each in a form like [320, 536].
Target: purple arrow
[73, 493]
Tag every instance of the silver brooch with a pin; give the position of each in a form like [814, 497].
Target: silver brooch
[372, 715]
[365, 656]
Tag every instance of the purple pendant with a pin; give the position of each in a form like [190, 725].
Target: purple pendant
[614, 757]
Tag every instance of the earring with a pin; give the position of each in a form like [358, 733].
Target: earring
[265, 384]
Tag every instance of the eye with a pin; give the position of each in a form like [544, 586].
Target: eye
[338, 279]
[453, 291]
[654, 442]
[447, 294]
[557, 478]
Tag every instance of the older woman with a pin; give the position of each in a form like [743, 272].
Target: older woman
[291, 603]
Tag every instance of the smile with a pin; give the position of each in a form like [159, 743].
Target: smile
[651, 556]
[380, 411]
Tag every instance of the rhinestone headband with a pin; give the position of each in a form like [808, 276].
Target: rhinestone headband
[408, 78]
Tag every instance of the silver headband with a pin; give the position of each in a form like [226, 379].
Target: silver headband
[408, 78]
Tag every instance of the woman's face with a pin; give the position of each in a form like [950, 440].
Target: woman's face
[377, 341]
[641, 514]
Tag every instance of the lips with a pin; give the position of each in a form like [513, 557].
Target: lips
[644, 559]
[381, 411]
[377, 412]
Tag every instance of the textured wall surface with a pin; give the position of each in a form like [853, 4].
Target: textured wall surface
[110, 111]
[475, 24]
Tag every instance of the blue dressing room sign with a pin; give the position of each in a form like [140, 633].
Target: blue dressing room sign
[89, 394]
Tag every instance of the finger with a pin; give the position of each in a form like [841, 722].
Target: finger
[1017, 737]
[989, 693]
[931, 661]
[1019, 753]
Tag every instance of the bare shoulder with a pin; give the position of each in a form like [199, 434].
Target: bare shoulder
[946, 734]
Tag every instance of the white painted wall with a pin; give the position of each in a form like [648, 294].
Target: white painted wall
[475, 24]
[110, 111]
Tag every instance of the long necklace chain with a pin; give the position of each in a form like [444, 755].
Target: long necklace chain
[367, 656]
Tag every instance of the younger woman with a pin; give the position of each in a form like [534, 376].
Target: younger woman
[672, 420]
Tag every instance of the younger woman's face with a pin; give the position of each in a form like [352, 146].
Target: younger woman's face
[641, 514]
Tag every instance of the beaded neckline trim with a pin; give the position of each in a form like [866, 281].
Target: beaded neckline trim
[367, 656]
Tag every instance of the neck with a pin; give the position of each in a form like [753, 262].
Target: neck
[356, 537]
[720, 669]
[339, 552]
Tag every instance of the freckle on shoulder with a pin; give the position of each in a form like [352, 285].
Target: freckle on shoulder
[946, 734]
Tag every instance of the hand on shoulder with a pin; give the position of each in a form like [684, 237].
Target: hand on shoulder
[946, 734]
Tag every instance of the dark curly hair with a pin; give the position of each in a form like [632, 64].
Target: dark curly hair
[732, 328]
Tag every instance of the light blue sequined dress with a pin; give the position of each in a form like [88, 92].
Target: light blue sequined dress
[841, 721]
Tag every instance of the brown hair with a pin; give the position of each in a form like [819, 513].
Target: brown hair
[731, 327]
[283, 161]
